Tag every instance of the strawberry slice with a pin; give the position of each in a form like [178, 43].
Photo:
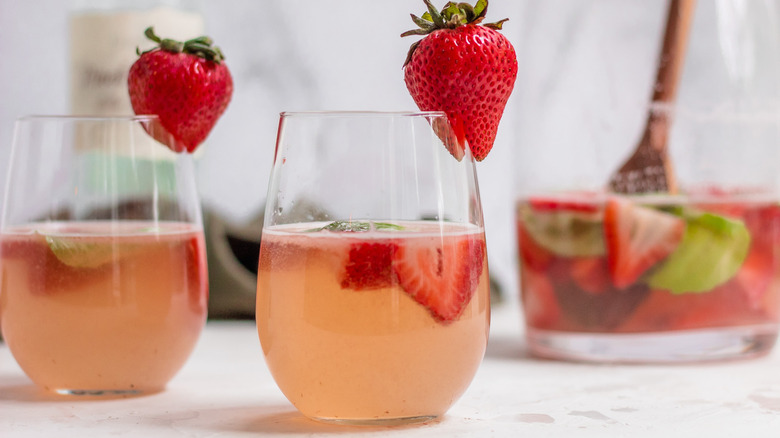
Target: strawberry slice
[442, 277]
[540, 305]
[47, 271]
[719, 308]
[577, 202]
[591, 274]
[533, 255]
[765, 221]
[369, 266]
[637, 238]
[754, 277]
[197, 276]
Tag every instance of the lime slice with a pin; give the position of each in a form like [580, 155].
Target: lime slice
[79, 254]
[566, 233]
[711, 252]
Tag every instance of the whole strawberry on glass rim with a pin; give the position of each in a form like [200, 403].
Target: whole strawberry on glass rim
[464, 68]
[185, 84]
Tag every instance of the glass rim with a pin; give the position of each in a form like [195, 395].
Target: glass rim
[361, 113]
[88, 118]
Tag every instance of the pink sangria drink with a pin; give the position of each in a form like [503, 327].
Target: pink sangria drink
[94, 306]
[650, 278]
[362, 318]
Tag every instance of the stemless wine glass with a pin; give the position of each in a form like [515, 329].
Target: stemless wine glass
[372, 292]
[103, 276]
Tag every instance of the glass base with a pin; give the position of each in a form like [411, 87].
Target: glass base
[105, 393]
[703, 345]
[378, 422]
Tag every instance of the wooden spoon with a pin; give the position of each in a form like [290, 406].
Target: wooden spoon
[649, 169]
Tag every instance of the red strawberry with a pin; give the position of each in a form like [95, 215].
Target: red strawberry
[197, 277]
[46, 272]
[369, 266]
[583, 203]
[764, 221]
[540, 305]
[533, 255]
[441, 278]
[462, 68]
[754, 277]
[637, 238]
[185, 84]
[591, 274]
[719, 308]
[657, 312]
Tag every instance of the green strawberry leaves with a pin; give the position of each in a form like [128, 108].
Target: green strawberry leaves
[201, 46]
[450, 17]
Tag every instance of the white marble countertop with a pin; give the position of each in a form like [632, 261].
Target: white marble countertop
[225, 390]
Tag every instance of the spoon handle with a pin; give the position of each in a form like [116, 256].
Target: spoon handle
[678, 26]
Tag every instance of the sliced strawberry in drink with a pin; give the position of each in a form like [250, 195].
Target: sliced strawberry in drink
[540, 306]
[754, 277]
[197, 276]
[657, 313]
[764, 222]
[11, 248]
[443, 277]
[637, 238]
[584, 203]
[721, 307]
[591, 274]
[533, 255]
[46, 270]
[761, 264]
[369, 266]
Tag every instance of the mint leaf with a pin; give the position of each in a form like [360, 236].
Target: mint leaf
[345, 226]
[385, 226]
[711, 252]
[357, 227]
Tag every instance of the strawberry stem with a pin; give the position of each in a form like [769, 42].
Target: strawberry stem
[200, 46]
[149, 32]
[172, 46]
